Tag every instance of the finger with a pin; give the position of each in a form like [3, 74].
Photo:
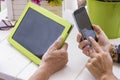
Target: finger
[98, 30]
[56, 44]
[91, 68]
[86, 51]
[89, 51]
[79, 38]
[83, 44]
[92, 53]
[94, 62]
[64, 47]
[95, 45]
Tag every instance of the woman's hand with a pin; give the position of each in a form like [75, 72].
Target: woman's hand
[53, 60]
[102, 41]
[100, 64]
[81, 3]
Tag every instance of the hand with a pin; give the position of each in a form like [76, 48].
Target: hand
[81, 3]
[100, 64]
[55, 58]
[52, 61]
[102, 41]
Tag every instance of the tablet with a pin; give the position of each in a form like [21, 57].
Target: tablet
[36, 30]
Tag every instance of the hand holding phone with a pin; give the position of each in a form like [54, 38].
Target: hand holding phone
[83, 23]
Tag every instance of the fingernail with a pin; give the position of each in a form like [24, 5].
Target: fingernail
[59, 38]
[90, 37]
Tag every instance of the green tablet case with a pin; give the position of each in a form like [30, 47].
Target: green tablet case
[33, 30]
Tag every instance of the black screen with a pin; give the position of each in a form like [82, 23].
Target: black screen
[36, 32]
[84, 24]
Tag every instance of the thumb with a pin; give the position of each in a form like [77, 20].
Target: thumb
[64, 47]
[56, 44]
[100, 34]
[97, 29]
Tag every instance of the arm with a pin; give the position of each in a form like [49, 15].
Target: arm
[52, 61]
[41, 74]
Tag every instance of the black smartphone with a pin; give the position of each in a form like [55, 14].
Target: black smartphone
[83, 23]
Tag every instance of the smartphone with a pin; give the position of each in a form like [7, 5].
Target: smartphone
[83, 23]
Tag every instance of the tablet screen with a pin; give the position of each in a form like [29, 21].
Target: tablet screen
[36, 32]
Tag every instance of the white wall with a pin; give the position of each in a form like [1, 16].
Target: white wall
[70, 4]
[3, 5]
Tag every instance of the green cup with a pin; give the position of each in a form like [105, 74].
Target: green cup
[106, 15]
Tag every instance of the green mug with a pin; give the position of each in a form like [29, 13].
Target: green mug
[106, 15]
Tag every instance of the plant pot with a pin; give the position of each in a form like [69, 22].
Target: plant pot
[106, 15]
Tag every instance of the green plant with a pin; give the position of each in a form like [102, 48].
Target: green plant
[55, 2]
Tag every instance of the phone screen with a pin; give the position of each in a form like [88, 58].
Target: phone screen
[84, 24]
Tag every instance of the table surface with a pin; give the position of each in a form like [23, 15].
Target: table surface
[13, 65]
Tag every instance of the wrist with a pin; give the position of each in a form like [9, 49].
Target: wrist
[45, 70]
[41, 74]
[108, 77]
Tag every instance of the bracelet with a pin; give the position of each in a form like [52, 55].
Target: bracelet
[118, 58]
[115, 54]
[118, 52]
